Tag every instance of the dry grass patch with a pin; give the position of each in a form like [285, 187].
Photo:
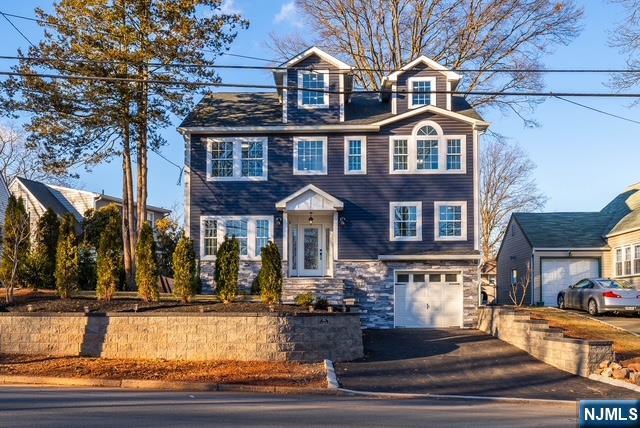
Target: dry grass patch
[626, 345]
[227, 372]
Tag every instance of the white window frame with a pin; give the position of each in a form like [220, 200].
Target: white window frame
[436, 222]
[392, 208]
[442, 138]
[363, 154]
[322, 171]
[325, 103]
[237, 158]
[432, 95]
[632, 260]
[221, 231]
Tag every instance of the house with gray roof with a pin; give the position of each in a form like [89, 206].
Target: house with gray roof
[551, 251]
[370, 197]
[39, 196]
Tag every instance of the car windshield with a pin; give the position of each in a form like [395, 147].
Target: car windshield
[609, 283]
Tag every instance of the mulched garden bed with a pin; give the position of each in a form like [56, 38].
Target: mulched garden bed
[224, 372]
[55, 304]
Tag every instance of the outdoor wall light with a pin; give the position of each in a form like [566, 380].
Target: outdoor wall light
[279, 221]
[310, 217]
[343, 221]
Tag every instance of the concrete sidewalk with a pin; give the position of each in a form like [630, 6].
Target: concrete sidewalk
[462, 362]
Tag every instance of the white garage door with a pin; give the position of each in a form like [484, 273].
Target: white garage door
[561, 273]
[428, 299]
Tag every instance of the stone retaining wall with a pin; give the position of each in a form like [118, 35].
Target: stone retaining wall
[576, 356]
[187, 336]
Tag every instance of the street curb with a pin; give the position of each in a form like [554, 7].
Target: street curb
[614, 382]
[405, 396]
[160, 385]
[332, 379]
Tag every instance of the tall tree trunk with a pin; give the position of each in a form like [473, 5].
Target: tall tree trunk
[128, 212]
[142, 119]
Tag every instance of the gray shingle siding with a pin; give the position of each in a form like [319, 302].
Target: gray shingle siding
[515, 253]
[366, 197]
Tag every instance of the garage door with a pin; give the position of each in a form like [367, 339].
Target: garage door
[561, 273]
[428, 299]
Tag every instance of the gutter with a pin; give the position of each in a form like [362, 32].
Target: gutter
[402, 257]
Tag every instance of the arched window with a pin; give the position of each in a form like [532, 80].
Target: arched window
[427, 130]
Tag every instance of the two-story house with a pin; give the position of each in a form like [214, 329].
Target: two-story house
[368, 196]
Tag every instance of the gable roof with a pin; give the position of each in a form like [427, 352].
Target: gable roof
[42, 193]
[313, 50]
[563, 230]
[263, 109]
[305, 196]
[426, 61]
[628, 204]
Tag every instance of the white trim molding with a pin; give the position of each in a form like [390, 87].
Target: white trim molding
[301, 89]
[187, 184]
[432, 87]
[314, 50]
[463, 220]
[434, 256]
[221, 232]
[363, 154]
[323, 170]
[336, 203]
[285, 102]
[476, 190]
[341, 97]
[237, 158]
[443, 147]
[451, 75]
[392, 207]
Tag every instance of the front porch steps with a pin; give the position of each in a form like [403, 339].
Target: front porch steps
[331, 289]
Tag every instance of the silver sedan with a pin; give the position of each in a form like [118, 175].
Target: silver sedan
[598, 295]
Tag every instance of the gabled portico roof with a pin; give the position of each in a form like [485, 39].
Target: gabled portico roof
[310, 198]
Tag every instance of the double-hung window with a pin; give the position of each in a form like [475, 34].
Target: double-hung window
[427, 151]
[627, 261]
[252, 232]
[636, 259]
[450, 221]
[313, 87]
[420, 91]
[310, 155]
[405, 221]
[355, 155]
[236, 159]
[619, 262]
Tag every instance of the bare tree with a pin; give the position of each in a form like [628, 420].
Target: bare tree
[507, 185]
[519, 288]
[17, 158]
[378, 35]
[626, 37]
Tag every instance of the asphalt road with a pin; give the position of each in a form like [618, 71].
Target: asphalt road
[629, 322]
[48, 407]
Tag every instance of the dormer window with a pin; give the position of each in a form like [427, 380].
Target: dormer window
[420, 91]
[318, 84]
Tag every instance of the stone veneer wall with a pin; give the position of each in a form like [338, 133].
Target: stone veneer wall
[372, 284]
[309, 337]
[576, 356]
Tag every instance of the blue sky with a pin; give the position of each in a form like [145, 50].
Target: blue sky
[583, 157]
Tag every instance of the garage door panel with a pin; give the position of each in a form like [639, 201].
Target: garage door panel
[558, 274]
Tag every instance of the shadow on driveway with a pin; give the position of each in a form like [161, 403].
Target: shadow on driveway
[461, 362]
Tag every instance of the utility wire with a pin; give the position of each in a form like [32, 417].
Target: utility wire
[598, 110]
[295, 88]
[4, 15]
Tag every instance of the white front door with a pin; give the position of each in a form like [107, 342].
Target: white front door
[310, 250]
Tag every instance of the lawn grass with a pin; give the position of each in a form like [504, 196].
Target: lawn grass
[575, 325]
[222, 372]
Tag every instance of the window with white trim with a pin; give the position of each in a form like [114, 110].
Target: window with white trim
[236, 159]
[636, 259]
[427, 151]
[355, 155]
[627, 260]
[310, 155]
[405, 221]
[420, 91]
[317, 83]
[619, 262]
[252, 232]
[450, 221]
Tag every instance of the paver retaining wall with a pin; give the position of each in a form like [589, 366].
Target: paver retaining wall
[307, 337]
[576, 356]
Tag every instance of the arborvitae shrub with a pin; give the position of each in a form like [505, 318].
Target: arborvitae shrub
[147, 266]
[184, 270]
[227, 267]
[42, 259]
[270, 276]
[68, 258]
[109, 260]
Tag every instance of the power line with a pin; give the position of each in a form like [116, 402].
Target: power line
[598, 110]
[295, 88]
[4, 15]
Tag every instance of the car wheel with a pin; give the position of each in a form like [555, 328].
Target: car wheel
[561, 302]
[593, 308]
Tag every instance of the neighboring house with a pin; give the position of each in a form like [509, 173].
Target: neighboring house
[555, 250]
[4, 200]
[367, 196]
[63, 200]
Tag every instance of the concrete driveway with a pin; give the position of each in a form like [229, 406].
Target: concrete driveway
[629, 322]
[462, 362]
